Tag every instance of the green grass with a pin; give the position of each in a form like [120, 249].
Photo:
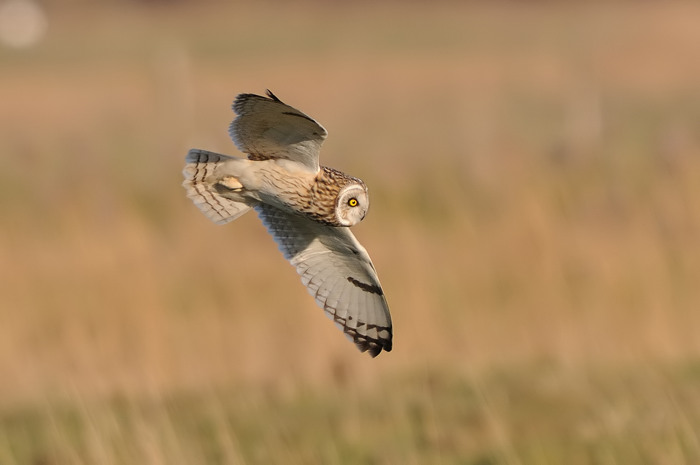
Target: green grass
[530, 414]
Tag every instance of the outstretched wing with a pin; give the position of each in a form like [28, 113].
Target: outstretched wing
[337, 271]
[267, 128]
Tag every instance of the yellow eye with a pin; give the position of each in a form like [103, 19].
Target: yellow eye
[352, 202]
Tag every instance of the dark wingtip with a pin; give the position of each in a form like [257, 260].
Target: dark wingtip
[373, 348]
[240, 99]
[272, 96]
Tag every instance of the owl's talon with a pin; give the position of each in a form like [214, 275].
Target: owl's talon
[231, 183]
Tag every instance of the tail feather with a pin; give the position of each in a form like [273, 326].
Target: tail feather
[201, 187]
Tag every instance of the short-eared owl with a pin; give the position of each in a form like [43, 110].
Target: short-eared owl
[306, 207]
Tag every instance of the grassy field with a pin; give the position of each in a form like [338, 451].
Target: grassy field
[535, 220]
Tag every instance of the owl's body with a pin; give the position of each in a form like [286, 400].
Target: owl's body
[306, 207]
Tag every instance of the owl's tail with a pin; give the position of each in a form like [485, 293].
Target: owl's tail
[216, 198]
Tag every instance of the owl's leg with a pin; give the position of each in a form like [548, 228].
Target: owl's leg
[231, 183]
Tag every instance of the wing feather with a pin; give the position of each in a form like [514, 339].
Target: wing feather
[338, 273]
[268, 128]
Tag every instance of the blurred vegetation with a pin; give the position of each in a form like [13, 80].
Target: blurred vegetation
[535, 175]
[535, 415]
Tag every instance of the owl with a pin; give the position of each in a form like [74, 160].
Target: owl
[306, 207]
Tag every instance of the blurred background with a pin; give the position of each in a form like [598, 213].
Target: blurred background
[534, 169]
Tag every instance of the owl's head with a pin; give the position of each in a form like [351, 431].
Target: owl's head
[352, 204]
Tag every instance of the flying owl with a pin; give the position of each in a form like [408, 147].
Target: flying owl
[306, 207]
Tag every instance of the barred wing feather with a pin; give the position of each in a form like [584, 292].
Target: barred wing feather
[338, 272]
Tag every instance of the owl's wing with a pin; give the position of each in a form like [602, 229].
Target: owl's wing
[338, 272]
[267, 128]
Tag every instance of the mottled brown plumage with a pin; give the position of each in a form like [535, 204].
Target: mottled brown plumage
[321, 203]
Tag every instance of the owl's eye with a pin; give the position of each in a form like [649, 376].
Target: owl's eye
[352, 202]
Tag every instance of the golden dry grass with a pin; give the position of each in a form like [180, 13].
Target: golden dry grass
[535, 177]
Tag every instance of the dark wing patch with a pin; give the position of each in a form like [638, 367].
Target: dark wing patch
[300, 115]
[366, 287]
